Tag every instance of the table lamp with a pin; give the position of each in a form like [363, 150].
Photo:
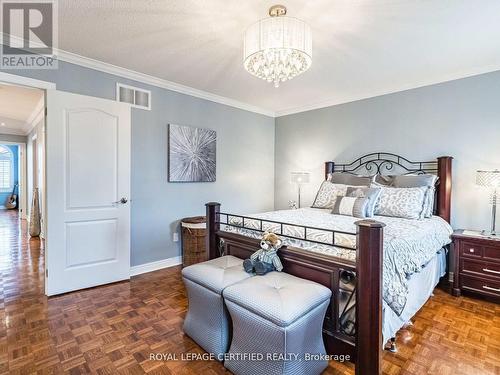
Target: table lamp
[490, 179]
[300, 178]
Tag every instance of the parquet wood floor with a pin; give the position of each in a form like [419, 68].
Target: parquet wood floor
[113, 329]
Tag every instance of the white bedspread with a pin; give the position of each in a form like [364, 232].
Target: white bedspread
[408, 244]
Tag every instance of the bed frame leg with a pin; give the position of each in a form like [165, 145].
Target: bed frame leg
[406, 334]
[369, 260]
[408, 325]
[392, 345]
[213, 218]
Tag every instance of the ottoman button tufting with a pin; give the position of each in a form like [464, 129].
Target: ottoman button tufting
[207, 321]
[285, 329]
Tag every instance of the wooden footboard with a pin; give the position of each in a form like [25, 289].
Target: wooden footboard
[364, 343]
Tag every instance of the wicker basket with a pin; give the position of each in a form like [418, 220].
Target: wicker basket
[193, 240]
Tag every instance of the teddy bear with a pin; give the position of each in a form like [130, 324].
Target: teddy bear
[266, 258]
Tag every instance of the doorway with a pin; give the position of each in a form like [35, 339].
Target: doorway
[21, 119]
[82, 173]
[21, 169]
[11, 190]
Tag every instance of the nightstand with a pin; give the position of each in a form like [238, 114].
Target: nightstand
[477, 264]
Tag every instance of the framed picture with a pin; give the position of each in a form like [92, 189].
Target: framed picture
[191, 154]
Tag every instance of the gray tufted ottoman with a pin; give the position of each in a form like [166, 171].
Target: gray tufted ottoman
[277, 318]
[207, 320]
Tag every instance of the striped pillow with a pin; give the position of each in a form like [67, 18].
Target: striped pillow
[371, 194]
[351, 206]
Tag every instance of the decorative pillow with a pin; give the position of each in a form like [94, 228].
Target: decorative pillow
[407, 203]
[429, 201]
[414, 180]
[406, 180]
[327, 194]
[350, 206]
[383, 179]
[349, 179]
[365, 192]
[419, 180]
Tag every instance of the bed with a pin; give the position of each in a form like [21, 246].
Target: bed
[381, 271]
[424, 241]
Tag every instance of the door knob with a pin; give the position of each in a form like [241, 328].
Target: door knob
[122, 201]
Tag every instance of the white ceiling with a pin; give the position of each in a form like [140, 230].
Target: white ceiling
[361, 48]
[17, 106]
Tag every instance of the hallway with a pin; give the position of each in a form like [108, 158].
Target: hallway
[23, 323]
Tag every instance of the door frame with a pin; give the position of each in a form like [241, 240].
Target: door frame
[21, 175]
[13, 79]
[18, 80]
[38, 167]
[26, 81]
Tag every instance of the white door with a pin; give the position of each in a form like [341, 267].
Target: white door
[87, 192]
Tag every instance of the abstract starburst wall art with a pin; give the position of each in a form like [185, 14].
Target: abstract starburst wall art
[191, 156]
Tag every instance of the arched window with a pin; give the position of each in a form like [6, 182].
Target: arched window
[6, 169]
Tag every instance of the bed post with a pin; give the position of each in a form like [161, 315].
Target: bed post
[369, 260]
[213, 211]
[444, 187]
[329, 168]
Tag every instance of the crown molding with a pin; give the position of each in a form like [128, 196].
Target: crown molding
[11, 131]
[355, 98]
[168, 85]
[119, 71]
[87, 62]
[12, 126]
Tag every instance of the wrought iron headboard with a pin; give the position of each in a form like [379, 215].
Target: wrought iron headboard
[383, 162]
[386, 163]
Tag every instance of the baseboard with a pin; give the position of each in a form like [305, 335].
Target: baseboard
[154, 266]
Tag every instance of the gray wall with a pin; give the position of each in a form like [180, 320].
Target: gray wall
[245, 158]
[459, 118]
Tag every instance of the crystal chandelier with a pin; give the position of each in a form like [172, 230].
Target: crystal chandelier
[278, 48]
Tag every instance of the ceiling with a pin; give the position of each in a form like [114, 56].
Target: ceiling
[18, 105]
[361, 48]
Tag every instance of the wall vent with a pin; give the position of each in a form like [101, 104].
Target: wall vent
[136, 97]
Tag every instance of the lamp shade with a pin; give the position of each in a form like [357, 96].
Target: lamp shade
[300, 177]
[489, 179]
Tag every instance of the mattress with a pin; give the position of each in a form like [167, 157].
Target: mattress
[408, 244]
